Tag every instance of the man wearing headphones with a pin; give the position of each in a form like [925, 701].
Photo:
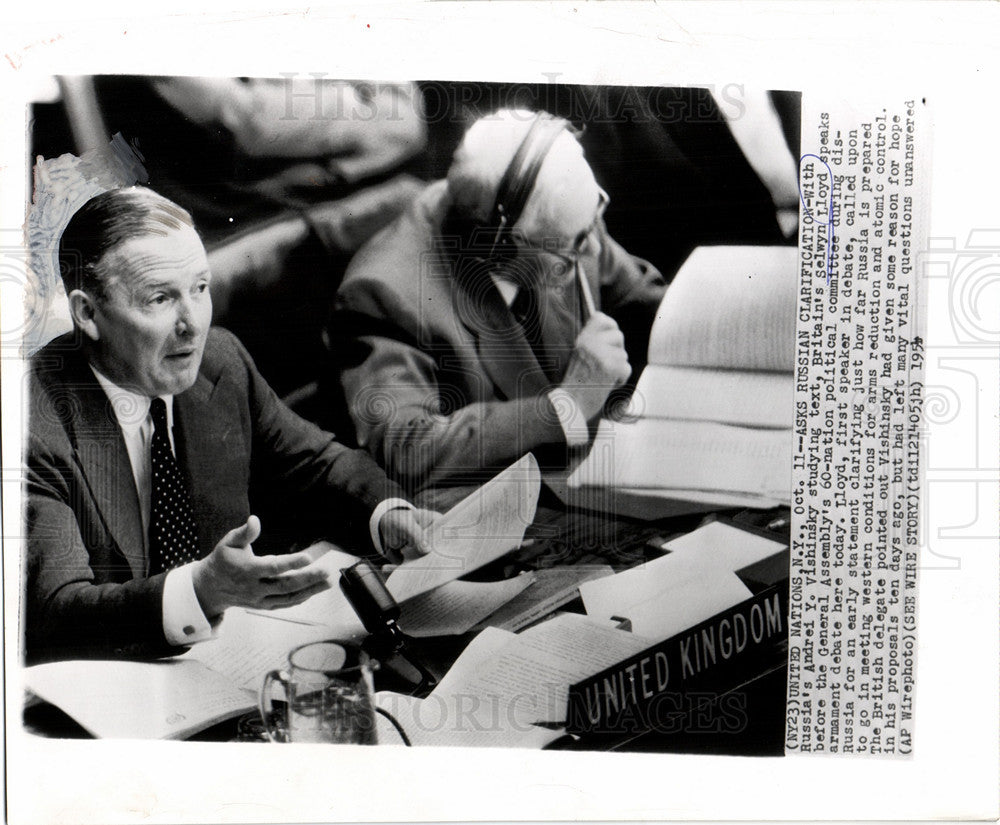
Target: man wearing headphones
[494, 317]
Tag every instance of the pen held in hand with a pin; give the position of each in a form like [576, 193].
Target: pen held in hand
[588, 309]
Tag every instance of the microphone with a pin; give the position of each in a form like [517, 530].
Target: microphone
[379, 611]
[363, 586]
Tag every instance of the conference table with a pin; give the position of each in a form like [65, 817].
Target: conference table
[567, 531]
[567, 534]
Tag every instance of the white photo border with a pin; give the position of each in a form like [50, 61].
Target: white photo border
[941, 51]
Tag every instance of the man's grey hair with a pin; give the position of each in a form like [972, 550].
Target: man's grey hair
[484, 155]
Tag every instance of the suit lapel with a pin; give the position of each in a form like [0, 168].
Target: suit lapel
[213, 438]
[200, 438]
[100, 449]
[198, 433]
[504, 352]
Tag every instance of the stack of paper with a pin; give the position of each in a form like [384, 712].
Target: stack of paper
[696, 580]
[250, 644]
[666, 596]
[457, 607]
[170, 699]
[730, 546]
[503, 684]
[694, 461]
[710, 419]
[550, 589]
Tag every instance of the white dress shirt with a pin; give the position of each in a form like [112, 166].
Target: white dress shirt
[571, 418]
[184, 622]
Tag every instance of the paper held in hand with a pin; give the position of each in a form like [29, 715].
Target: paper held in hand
[479, 529]
[710, 419]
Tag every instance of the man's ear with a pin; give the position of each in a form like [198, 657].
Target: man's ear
[82, 309]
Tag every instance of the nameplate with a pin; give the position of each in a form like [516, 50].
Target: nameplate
[718, 654]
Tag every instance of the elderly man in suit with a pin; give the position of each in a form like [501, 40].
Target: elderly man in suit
[496, 315]
[147, 428]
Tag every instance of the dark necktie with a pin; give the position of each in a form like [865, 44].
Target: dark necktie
[172, 535]
[525, 311]
[550, 318]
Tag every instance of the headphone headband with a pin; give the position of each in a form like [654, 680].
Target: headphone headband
[518, 180]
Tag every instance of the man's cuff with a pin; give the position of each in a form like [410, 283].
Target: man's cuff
[184, 622]
[571, 419]
[380, 510]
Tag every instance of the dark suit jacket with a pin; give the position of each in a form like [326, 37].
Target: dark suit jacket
[439, 378]
[87, 588]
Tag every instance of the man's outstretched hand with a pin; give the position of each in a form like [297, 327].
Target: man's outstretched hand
[232, 576]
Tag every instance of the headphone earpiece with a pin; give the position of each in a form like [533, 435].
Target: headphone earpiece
[496, 238]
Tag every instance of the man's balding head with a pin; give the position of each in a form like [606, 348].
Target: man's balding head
[562, 201]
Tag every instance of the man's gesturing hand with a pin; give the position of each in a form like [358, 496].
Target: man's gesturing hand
[232, 576]
[598, 364]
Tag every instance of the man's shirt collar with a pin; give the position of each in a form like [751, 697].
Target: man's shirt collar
[131, 409]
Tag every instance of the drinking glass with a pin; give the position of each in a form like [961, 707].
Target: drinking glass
[328, 694]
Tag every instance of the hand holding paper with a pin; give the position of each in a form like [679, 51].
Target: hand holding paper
[403, 533]
[479, 529]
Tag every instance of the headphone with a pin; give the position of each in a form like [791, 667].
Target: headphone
[514, 190]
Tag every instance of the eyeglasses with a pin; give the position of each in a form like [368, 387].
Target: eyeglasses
[580, 241]
[603, 200]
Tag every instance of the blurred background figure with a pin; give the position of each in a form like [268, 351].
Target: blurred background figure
[240, 150]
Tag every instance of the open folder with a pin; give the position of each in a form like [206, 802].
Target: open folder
[710, 419]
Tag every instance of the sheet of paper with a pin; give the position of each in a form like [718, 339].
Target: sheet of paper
[456, 607]
[116, 699]
[730, 307]
[250, 644]
[480, 650]
[551, 589]
[447, 718]
[479, 529]
[750, 398]
[331, 606]
[695, 601]
[709, 499]
[660, 454]
[530, 676]
[730, 546]
[665, 596]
